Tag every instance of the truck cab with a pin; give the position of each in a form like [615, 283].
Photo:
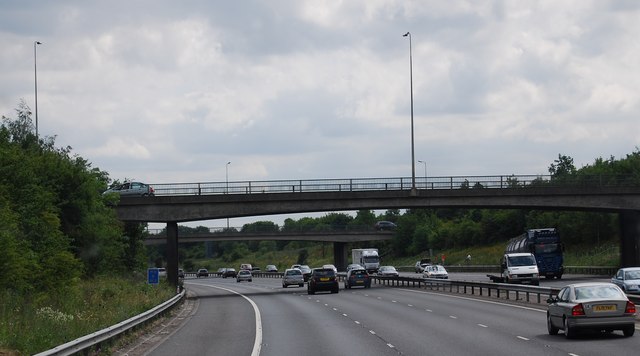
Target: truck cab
[519, 268]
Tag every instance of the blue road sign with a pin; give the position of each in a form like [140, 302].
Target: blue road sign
[153, 275]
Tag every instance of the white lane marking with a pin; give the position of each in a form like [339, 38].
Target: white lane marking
[391, 346]
[393, 301]
[453, 317]
[523, 338]
[409, 305]
[482, 326]
[357, 322]
[380, 298]
[429, 310]
[257, 343]
[372, 332]
[477, 300]
[334, 309]
[343, 314]
[572, 354]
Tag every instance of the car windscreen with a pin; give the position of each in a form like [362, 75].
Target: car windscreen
[598, 292]
[632, 275]
[522, 261]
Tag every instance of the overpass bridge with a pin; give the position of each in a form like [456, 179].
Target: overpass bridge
[181, 202]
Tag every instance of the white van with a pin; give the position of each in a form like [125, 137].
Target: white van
[519, 268]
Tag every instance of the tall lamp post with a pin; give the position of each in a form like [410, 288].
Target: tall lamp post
[227, 184]
[413, 157]
[35, 75]
[425, 173]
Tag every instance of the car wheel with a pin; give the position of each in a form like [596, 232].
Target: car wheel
[550, 328]
[284, 285]
[309, 291]
[301, 285]
[251, 280]
[237, 280]
[569, 333]
[559, 276]
[629, 331]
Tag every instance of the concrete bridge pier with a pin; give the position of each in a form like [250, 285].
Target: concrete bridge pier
[630, 238]
[339, 256]
[172, 252]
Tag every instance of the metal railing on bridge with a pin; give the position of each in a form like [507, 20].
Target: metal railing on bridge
[399, 183]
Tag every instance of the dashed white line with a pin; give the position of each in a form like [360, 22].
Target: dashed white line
[429, 310]
[523, 338]
[453, 317]
[357, 322]
[482, 326]
[572, 354]
[393, 301]
[372, 332]
[409, 305]
[335, 309]
[343, 314]
[391, 346]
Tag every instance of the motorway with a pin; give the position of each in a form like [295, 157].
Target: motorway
[262, 318]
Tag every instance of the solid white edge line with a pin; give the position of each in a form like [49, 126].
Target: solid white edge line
[257, 343]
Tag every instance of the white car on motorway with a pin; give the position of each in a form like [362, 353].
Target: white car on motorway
[435, 271]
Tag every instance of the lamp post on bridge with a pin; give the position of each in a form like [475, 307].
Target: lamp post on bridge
[226, 168]
[413, 157]
[425, 173]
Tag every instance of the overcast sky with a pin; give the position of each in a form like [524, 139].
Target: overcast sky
[170, 91]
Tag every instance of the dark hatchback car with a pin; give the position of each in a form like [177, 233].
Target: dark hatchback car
[229, 272]
[357, 277]
[323, 279]
[385, 226]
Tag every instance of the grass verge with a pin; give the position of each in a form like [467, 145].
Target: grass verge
[29, 326]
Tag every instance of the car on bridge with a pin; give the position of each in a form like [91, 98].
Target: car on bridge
[271, 268]
[385, 226]
[131, 189]
[628, 279]
[594, 306]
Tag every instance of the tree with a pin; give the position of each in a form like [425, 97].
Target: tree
[562, 167]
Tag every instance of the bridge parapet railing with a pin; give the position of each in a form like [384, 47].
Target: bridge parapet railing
[393, 184]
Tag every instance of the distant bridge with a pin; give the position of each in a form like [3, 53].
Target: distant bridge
[178, 202]
[346, 236]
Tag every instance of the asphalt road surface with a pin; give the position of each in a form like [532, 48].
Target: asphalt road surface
[262, 318]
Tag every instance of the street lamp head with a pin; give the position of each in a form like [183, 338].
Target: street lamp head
[38, 42]
[406, 34]
[229, 162]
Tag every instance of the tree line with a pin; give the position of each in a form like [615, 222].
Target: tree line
[55, 225]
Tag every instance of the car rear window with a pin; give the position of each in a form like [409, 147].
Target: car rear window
[359, 273]
[598, 292]
[294, 272]
[324, 272]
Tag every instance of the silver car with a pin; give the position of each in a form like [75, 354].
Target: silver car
[131, 189]
[436, 271]
[388, 271]
[292, 276]
[595, 306]
[244, 275]
[628, 279]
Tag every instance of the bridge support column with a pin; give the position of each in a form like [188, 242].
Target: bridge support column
[630, 238]
[172, 252]
[339, 256]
